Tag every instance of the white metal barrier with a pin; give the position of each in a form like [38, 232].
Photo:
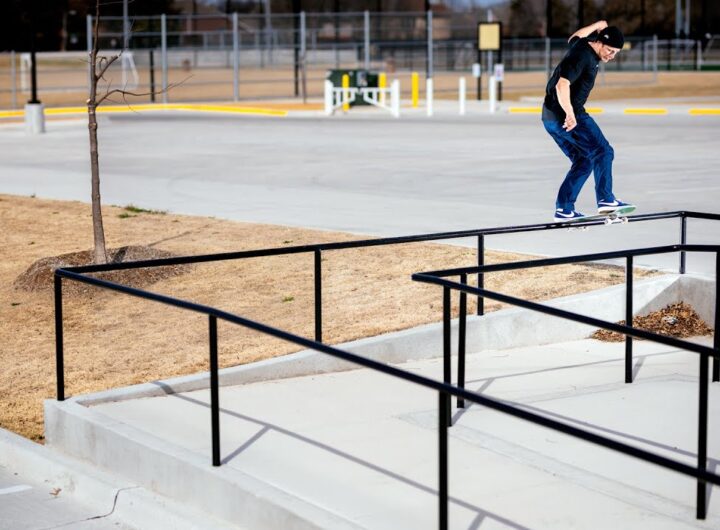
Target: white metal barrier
[336, 97]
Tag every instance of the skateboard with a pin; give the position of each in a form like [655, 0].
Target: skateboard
[617, 217]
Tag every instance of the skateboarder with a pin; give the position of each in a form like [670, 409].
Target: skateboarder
[572, 128]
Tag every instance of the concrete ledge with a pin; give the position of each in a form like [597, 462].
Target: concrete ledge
[105, 493]
[165, 468]
[508, 328]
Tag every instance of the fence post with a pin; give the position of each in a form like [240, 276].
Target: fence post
[462, 327]
[447, 349]
[303, 53]
[13, 80]
[443, 421]
[655, 57]
[89, 41]
[481, 276]
[414, 89]
[366, 17]
[629, 319]
[429, 96]
[683, 241]
[59, 354]
[318, 295]
[716, 334]
[429, 72]
[152, 75]
[461, 96]
[164, 58]
[701, 508]
[395, 98]
[328, 93]
[236, 58]
[548, 52]
[214, 392]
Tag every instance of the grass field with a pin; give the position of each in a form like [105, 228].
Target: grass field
[113, 340]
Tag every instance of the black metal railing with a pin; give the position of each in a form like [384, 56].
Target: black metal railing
[440, 278]
[444, 389]
[318, 249]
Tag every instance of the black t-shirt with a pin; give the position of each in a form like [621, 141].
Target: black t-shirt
[579, 66]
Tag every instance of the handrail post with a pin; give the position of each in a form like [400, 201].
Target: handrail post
[462, 328]
[318, 295]
[443, 422]
[716, 333]
[59, 354]
[683, 240]
[701, 506]
[214, 392]
[447, 368]
[629, 319]
[481, 276]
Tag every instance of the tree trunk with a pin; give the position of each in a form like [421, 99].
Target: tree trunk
[99, 253]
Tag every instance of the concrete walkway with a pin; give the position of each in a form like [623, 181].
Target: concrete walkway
[361, 448]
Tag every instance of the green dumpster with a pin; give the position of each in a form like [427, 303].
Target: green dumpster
[358, 78]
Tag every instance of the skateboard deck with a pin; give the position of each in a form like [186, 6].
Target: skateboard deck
[618, 216]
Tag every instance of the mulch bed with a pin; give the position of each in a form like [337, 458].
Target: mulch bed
[39, 276]
[676, 320]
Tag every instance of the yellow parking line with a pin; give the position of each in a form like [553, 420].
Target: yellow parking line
[701, 112]
[538, 110]
[54, 111]
[525, 110]
[645, 111]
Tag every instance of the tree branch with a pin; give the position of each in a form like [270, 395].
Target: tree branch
[126, 93]
[104, 67]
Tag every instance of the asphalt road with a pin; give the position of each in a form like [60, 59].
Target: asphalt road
[369, 173]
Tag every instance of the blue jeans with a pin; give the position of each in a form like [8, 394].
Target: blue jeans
[589, 152]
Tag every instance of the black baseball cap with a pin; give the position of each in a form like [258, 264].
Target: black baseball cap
[611, 36]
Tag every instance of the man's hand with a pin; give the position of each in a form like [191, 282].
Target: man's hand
[570, 122]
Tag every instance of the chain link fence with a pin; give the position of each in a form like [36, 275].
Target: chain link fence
[250, 57]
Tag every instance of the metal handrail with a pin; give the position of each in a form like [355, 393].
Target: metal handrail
[445, 389]
[440, 278]
[318, 248]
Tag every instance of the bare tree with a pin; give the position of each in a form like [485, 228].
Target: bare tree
[98, 68]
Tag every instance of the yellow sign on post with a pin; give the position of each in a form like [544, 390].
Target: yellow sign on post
[489, 36]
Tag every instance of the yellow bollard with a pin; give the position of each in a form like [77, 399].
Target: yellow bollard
[345, 93]
[415, 90]
[382, 83]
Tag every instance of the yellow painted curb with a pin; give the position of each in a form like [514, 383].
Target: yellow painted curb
[704, 112]
[525, 110]
[646, 111]
[538, 110]
[145, 107]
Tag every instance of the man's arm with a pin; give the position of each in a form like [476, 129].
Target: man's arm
[563, 94]
[589, 30]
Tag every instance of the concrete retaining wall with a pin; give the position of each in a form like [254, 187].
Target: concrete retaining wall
[508, 328]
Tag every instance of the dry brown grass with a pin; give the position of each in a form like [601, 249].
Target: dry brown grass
[113, 340]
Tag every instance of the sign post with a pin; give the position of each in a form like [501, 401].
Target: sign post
[489, 40]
